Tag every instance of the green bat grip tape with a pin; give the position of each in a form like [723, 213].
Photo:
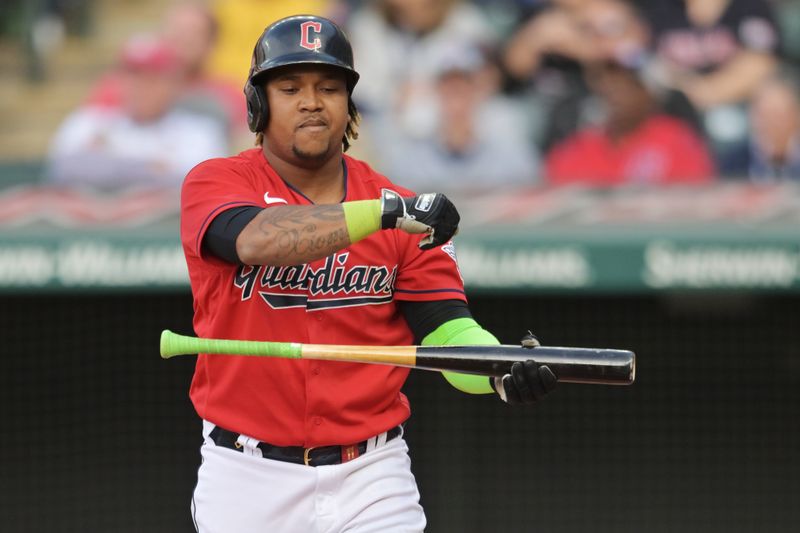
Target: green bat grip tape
[173, 344]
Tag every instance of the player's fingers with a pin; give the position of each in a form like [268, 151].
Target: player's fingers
[512, 394]
[549, 379]
[522, 383]
[446, 223]
[533, 380]
[412, 226]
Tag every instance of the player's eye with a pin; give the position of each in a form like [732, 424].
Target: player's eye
[288, 89]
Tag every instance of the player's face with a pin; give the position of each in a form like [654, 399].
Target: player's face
[307, 114]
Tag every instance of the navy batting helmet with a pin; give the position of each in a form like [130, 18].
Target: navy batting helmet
[295, 40]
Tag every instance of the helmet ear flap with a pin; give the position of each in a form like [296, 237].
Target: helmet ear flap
[257, 108]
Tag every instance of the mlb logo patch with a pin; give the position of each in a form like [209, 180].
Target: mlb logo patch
[450, 249]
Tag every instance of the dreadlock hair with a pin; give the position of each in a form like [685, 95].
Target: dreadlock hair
[350, 132]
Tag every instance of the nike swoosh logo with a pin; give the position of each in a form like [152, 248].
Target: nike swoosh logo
[269, 200]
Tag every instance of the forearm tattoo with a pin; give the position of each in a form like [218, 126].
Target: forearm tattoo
[299, 234]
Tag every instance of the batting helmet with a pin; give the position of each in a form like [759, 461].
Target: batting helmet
[295, 40]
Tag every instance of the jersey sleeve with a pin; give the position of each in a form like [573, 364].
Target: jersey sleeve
[209, 189]
[428, 274]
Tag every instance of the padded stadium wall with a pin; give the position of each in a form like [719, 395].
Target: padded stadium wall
[99, 434]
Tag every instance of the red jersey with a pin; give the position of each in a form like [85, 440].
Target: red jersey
[662, 150]
[349, 297]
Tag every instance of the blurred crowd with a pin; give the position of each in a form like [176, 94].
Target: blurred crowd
[458, 94]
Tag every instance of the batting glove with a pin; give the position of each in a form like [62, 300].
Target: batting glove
[528, 382]
[430, 213]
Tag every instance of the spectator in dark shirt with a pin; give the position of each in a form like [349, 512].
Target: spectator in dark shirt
[543, 61]
[717, 52]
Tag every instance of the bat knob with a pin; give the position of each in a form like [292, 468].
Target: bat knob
[530, 340]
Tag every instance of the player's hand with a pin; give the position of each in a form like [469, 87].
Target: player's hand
[430, 213]
[528, 382]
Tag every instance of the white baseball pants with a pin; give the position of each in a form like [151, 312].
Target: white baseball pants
[241, 493]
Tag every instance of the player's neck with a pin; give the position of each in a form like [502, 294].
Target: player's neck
[322, 184]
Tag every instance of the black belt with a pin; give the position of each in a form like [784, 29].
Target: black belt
[318, 456]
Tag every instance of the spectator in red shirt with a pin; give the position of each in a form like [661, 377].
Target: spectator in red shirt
[145, 141]
[190, 29]
[636, 143]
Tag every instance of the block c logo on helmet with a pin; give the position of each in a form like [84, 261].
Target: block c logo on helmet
[305, 35]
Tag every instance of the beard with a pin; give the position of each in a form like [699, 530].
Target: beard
[311, 156]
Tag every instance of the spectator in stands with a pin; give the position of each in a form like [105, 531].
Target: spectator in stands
[397, 43]
[480, 140]
[146, 141]
[241, 22]
[773, 152]
[549, 37]
[562, 37]
[717, 52]
[618, 31]
[191, 30]
[636, 143]
[543, 60]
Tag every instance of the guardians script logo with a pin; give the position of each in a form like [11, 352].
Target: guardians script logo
[334, 284]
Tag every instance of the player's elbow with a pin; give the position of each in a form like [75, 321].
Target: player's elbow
[255, 249]
[249, 251]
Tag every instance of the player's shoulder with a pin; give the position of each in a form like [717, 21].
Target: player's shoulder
[212, 172]
[243, 162]
[370, 178]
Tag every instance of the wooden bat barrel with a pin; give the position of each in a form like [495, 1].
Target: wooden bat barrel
[570, 365]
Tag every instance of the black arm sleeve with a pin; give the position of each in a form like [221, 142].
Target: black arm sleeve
[220, 237]
[424, 317]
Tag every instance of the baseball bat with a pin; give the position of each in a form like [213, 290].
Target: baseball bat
[570, 365]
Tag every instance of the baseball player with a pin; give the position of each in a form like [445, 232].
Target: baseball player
[295, 241]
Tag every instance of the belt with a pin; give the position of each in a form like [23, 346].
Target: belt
[315, 456]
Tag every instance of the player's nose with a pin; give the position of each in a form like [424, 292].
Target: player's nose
[310, 100]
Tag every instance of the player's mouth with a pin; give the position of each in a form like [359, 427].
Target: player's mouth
[313, 124]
